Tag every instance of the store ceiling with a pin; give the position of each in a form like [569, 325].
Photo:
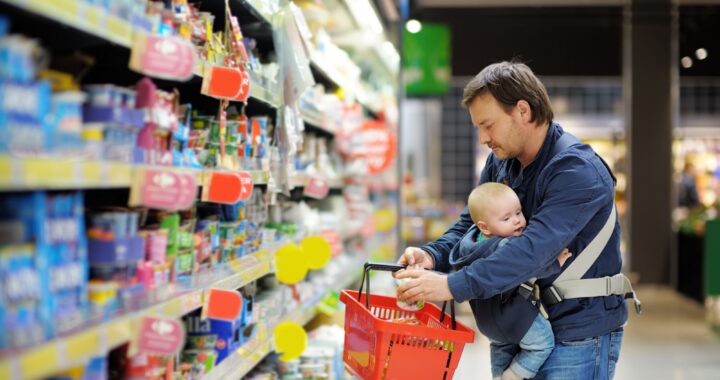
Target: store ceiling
[559, 40]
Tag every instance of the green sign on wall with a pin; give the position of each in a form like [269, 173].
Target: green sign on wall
[712, 257]
[426, 60]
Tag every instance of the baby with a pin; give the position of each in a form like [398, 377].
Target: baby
[521, 337]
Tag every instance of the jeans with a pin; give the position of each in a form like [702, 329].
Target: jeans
[526, 358]
[592, 358]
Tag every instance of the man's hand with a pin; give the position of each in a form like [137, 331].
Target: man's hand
[416, 258]
[424, 285]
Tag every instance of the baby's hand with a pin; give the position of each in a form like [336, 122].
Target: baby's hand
[564, 255]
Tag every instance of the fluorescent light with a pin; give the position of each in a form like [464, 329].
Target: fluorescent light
[701, 53]
[391, 56]
[365, 15]
[686, 62]
[413, 26]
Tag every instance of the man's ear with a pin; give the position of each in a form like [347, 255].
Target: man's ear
[482, 226]
[523, 108]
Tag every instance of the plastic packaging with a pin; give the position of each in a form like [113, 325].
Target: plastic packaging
[409, 306]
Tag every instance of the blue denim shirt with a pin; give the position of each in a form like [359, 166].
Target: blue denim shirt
[566, 199]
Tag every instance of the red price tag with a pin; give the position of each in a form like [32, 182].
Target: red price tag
[246, 185]
[227, 187]
[222, 304]
[226, 83]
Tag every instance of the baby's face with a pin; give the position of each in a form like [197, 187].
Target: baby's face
[505, 217]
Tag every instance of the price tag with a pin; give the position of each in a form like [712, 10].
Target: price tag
[160, 336]
[225, 83]
[190, 302]
[316, 187]
[163, 189]
[222, 304]
[227, 187]
[162, 56]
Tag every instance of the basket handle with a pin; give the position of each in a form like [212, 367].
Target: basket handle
[365, 281]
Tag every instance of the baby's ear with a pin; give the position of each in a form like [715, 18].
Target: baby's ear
[482, 226]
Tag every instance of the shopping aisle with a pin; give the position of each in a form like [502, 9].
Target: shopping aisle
[669, 341]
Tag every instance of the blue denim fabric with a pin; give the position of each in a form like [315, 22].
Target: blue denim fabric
[587, 359]
[526, 358]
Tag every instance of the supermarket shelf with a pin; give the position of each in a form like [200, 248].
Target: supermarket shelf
[66, 352]
[262, 94]
[52, 173]
[300, 180]
[96, 21]
[325, 75]
[314, 122]
[88, 18]
[254, 351]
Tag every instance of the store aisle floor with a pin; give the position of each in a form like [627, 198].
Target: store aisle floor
[669, 341]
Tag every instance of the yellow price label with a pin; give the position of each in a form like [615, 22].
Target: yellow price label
[191, 302]
[47, 172]
[6, 369]
[120, 29]
[118, 332]
[82, 346]
[6, 172]
[68, 8]
[91, 173]
[40, 362]
[119, 174]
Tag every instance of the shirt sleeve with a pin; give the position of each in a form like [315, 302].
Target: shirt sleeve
[574, 193]
[440, 248]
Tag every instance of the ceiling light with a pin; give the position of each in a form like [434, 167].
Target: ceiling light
[701, 53]
[413, 26]
[686, 62]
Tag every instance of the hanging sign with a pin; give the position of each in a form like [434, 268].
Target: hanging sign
[378, 146]
[290, 340]
[160, 336]
[163, 189]
[227, 187]
[222, 304]
[225, 83]
[290, 264]
[163, 57]
[316, 187]
[371, 142]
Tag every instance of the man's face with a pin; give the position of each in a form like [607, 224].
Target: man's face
[501, 131]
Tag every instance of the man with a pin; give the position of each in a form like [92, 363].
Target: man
[567, 197]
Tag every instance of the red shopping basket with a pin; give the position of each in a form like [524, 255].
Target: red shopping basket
[377, 347]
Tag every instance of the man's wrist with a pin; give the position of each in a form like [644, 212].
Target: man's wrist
[430, 255]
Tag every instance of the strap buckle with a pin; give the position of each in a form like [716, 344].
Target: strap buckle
[550, 296]
[636, 301]
[526, 290]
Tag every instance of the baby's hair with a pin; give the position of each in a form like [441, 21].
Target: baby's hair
[482, 196]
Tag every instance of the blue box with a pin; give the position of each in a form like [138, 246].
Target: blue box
[229, 333]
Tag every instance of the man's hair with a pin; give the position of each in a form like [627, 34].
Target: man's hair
[484, 195]
[509, 82]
